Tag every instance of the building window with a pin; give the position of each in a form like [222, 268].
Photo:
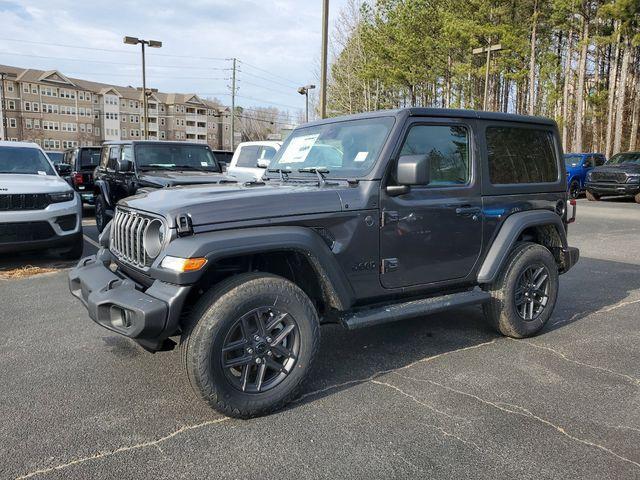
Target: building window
[89, 127]
[162, 121]
[27, 106]
[25, 87]
[34, 89]
[12, 123]
[9, 87]
[35, 106]
[11, 105]
[162, 135]
[28, 123]
[36, 124]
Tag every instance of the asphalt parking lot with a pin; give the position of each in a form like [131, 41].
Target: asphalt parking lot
[435, 397]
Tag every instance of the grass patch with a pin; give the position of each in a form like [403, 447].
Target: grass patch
[27, 271]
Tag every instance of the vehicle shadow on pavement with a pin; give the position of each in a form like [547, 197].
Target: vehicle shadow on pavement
[349, 358]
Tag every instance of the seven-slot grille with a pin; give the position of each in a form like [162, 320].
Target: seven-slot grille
[127, 233]
[23, 201]
[617, 177]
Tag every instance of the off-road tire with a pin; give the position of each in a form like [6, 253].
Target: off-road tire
[574, 189]
[592, 197]
[101, 213]
[75, 252]
[215, 313]
[500, 310]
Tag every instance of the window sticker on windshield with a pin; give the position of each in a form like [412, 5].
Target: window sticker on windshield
[298, 149]
[361, 157]
[204, 164]
[40, 172]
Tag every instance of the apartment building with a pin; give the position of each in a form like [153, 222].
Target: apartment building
[58, 112]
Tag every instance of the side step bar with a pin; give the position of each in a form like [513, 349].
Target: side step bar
[399, 311]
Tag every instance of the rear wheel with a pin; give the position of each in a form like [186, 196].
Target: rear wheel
[592, 197]
[101, 213]
[250, 344]
[524, 294]
[574, 189]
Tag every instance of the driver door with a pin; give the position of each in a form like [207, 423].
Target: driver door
[433, 232]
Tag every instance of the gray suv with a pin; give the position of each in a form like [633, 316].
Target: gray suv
[38, 209]
[360, 221]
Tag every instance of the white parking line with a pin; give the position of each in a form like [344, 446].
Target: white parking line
[91, 241]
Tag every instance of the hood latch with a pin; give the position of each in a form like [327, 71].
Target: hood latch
[184, 225]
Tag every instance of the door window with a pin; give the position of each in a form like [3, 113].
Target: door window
[248, 156]
[447, 148]
[113, 158]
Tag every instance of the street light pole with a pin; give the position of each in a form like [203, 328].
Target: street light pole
[323, 54]
[305, 91]
[152, 44]
[490, 48]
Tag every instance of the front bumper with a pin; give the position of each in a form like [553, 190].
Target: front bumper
[613, 188]
[52, 216]
[147, 314]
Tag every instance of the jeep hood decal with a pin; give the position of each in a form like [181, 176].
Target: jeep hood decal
[213, 204]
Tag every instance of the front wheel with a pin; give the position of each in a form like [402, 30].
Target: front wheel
[574, 189]
[250, 344]
[592, 197]
[101, 213]
[524, 294]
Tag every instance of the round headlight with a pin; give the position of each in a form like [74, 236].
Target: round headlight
[153, 238]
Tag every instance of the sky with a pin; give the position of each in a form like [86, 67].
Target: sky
[277, 43]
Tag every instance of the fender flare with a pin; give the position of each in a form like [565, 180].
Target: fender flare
[215, 246]
[103, 188]
[511, 229]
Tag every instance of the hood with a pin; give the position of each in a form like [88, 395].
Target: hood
[169, 178]
[21, 183]
[622, 168]
[211, 204]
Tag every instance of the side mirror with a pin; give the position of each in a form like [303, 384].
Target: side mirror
[125, 165]
[263, 163]
[63, 169]
[413, 170]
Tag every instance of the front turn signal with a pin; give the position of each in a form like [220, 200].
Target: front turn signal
[182, 265]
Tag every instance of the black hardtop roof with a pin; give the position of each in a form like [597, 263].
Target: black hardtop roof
[82, 148]
[440, 112]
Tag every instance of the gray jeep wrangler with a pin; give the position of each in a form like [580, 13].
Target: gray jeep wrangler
[360, 220]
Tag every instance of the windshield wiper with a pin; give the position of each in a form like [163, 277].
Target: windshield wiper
[192, 167]
[284, 172]
[320, 171]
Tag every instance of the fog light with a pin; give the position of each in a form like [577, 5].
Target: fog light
[119, 317]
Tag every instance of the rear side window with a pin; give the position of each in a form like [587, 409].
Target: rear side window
[521, 155]
[89, 158]
[248, 156]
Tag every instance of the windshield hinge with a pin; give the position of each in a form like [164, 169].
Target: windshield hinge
[184, 225]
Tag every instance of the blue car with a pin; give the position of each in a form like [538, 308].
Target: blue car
[578, 165]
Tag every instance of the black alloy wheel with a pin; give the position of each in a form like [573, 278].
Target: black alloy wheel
[532, 292]
[574, 189]
[261, 349]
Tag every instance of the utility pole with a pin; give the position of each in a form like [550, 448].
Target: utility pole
[233, 105]
[490, 48]
[3, 121]
[323, 54]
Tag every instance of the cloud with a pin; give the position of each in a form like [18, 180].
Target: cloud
[278, 41]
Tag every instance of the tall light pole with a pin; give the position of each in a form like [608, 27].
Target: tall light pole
[152, 44]
[323, 54]
[305, 91]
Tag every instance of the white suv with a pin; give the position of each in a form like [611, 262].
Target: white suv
[38, 209]
[251, 159]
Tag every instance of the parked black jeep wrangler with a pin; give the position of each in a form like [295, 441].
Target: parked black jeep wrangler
[360, 220]
[82, 162]
[128, 166]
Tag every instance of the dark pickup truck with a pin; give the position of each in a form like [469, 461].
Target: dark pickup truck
[359, 220]
[619, 176]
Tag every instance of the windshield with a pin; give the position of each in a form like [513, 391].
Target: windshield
[572, 160]
[629, 157]
[175, 157]
[89, 158]
[55, 157]
[24, 160]
[342, 149]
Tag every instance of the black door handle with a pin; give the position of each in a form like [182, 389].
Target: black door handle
[468, 210]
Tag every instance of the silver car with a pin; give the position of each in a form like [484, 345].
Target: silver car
[38, 209]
